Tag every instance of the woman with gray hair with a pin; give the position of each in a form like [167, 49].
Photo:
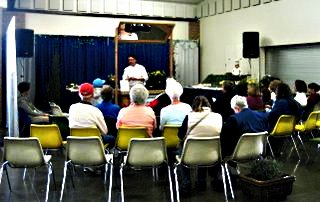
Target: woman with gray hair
[175, 112]
[137, 113]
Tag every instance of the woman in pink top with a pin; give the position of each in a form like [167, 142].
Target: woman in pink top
[137, 113]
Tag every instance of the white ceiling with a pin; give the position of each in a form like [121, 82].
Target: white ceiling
[182, 1]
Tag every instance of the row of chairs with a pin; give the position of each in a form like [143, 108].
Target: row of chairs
[196, 152]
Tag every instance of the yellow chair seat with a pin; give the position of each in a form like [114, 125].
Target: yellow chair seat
[299, 127]
[126, 133]
[170, 133]
[48, 135]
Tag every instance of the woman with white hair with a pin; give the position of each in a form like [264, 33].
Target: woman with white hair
[137, 113]
[175, 112]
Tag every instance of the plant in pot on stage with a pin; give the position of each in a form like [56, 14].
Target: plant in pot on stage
[157, 80]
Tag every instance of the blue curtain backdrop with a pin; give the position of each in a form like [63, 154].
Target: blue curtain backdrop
[61, 60]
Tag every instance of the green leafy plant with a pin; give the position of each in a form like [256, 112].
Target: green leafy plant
[265, 169]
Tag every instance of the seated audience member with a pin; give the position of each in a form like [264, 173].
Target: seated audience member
[272, 88]
[222, 104]
[137, 113]
[162, 100]
[301, 92]
[84, 114]
[312, 100]
[284, 104]
[109, 110]
[97, 85]
[201, 122]
[243, 121]
[254, 99]
[24, 103]
[174, 113]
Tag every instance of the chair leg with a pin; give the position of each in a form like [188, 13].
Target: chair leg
[121, 182]
[170, 184]
[24, 173]
[304, 148]
[176, 182]
[295, 146]
[229, 179]
[5, 168]
[224, 182]
[48, 182]
[64, 178]
[110, 181]
[270, 148]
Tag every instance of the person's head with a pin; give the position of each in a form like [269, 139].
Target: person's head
[238, 103]
[107, 93]
[138, 94]
[86, 91]
[132, 59]
[236, 64]
[300, 86]
[273, 85]
[313, 88]
[283, 91]
[173, 89]
[98, 83]
[227, 87]
[253, 90]
[24, 87]
[199, 103]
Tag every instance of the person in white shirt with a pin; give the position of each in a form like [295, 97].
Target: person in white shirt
[236, 71]
[301, 92]
[135, 73]
[84, 114]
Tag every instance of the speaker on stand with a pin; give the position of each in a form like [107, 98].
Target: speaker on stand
[24, 48]
[250, 48]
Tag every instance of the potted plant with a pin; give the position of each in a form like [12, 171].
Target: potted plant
[266, 182]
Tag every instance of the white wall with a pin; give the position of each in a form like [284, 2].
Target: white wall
[279, 23]
[88, 26]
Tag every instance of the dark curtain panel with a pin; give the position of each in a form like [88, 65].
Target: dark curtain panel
[61, 60]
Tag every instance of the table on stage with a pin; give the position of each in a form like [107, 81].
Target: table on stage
[189, 93]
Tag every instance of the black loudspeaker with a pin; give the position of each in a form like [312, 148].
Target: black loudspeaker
[250, 42]
[24, 42]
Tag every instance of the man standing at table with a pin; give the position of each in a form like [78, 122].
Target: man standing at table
[135, 73]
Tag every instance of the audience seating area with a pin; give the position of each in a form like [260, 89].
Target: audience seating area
[137, 152]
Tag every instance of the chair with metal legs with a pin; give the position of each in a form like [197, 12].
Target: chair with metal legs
[250, 146]
[200, 152]
[146, 152]
[25, 153]
[86, 151]
[284, 128]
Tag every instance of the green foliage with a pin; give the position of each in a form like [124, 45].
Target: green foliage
[157, 80]
[265, 169]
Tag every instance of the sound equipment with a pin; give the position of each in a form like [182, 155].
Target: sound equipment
[24, 43]
[250, 42]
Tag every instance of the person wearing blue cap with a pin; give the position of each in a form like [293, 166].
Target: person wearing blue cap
[97, 84]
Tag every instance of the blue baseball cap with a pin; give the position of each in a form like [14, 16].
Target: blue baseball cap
[98, 82]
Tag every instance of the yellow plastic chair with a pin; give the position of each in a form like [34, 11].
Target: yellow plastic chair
[250, 146]
[25, 153]
[146, 152]
[201, 152]
[85, 132]
[125, 134]
[284, 128]
[86, 151]
[170, 134]
[48, 135]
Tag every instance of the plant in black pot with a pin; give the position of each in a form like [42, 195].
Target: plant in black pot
[266, 182]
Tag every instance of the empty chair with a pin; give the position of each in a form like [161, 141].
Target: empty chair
[146, 152]
[284, 128]
[25, 153]
[86, 151]
[48, 135]
[199, 152]
[170, 134]
[250, 146]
